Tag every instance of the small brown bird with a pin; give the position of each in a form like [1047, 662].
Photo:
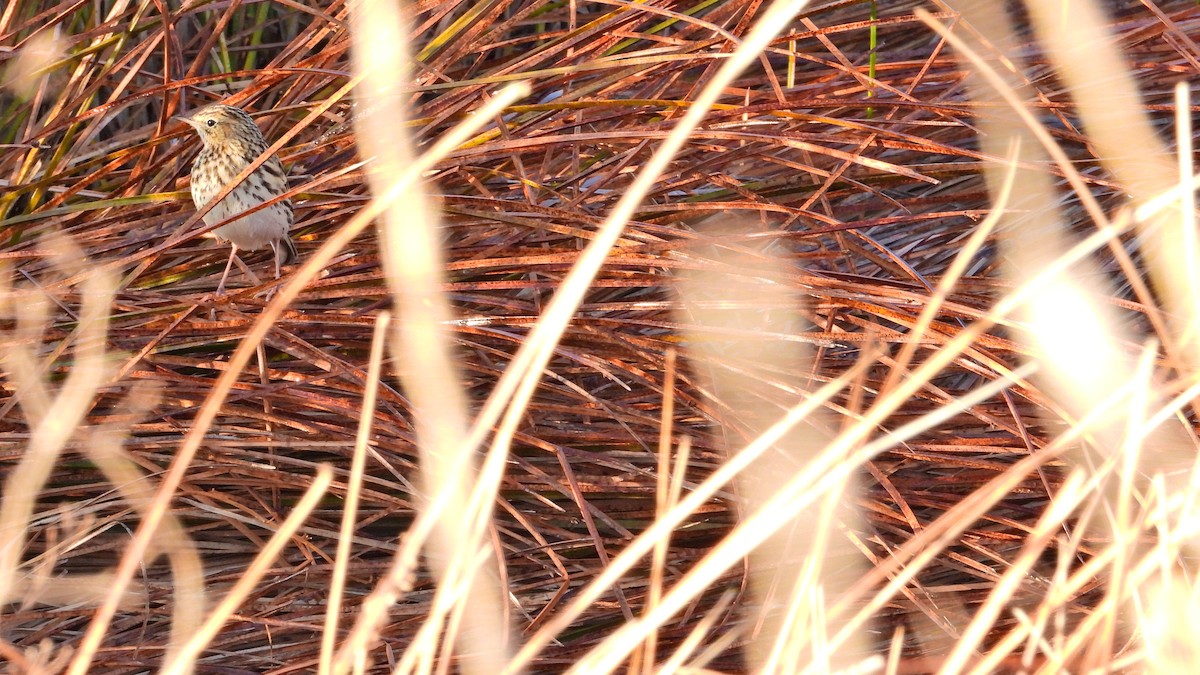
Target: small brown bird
[231, 142]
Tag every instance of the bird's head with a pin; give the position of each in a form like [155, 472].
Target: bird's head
[223, 124]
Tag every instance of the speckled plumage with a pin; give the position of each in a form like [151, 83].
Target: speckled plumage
[231, 142]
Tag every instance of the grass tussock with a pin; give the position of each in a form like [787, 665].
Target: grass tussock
[727, 337]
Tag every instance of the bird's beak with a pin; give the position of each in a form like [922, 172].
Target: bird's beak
[187, 120]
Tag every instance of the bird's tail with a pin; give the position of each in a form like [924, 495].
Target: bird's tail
[289, 254]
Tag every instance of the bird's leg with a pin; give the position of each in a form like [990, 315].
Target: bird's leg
[228, 265]
[275, 255]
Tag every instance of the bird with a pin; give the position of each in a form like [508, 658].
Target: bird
[231, 141]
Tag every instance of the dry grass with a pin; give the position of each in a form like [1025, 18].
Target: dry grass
[620, 449]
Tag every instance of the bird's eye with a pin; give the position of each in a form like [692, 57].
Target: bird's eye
[211, 123]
